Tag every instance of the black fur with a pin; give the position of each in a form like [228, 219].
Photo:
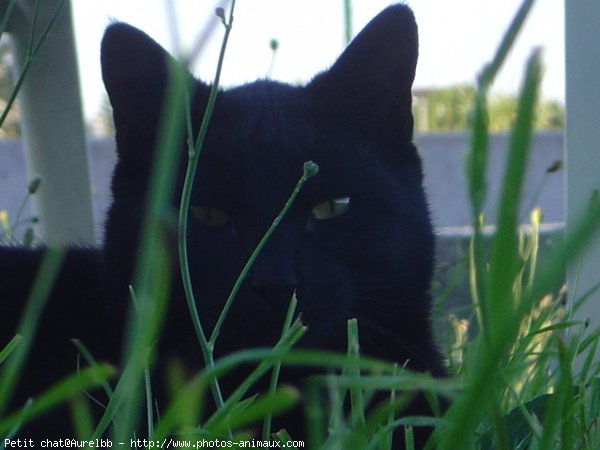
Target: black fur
[373, 262]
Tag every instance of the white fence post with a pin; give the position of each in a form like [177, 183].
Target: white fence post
[52, 124]
[583, 139]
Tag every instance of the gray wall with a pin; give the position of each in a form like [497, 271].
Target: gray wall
[444, 162]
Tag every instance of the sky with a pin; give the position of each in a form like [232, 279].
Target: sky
[456, 38]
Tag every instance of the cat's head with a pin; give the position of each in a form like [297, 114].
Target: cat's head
[357, 242]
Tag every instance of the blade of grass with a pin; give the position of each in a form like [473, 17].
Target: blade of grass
[89, 358]
[152, 276]
[565, 386]
[47, 274]
[294, 334]
[476, 162]
[316, 358]
[409, 438]
[467, 411]
[283, 438]
[184, 410]
[82, 417]
[357, 402]
[15, 429]
[121, 397]
[315, 415]
[573, 244]
[507, 43]
[590, 343]
[504, 256]
[266, 432]
[560, 402]
[389, 436]
[61, 392]
[280, 400]
[149, 402]
[10, 347]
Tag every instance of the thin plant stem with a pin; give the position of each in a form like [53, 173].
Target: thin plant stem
[310, 169]
[7, 15]
[347, 21]
[33, 49]
[194, 149]
[34, 19]
[31, 190]
[292, 335]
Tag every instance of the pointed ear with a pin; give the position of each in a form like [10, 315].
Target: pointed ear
[135, 70]
[369, 86]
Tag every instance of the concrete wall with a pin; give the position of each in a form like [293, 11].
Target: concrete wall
[444, 161]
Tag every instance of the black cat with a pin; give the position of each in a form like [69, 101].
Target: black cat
[357, 242]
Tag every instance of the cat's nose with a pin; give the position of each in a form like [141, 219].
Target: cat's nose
[273, 274]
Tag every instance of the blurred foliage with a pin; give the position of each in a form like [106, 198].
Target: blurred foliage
[10, 128]
[448, 109]
[101, 125]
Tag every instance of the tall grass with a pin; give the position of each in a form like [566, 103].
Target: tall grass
[520, 357]
[514, 383]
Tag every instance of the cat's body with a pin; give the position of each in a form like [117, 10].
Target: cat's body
[367, 255]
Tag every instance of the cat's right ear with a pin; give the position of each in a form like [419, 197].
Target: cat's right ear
[135, 70]
[369, 87]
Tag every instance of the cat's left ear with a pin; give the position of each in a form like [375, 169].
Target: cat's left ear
[135, 70]
[369, 86]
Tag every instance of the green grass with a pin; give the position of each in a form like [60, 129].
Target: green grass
[525, 372]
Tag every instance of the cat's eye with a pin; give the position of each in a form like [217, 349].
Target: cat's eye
[330, 209]
[211, 217]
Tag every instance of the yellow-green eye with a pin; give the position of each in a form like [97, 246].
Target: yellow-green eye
[211, 217]
[330, 209]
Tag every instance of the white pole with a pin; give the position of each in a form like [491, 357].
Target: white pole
[582, 28]
[52, 124]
